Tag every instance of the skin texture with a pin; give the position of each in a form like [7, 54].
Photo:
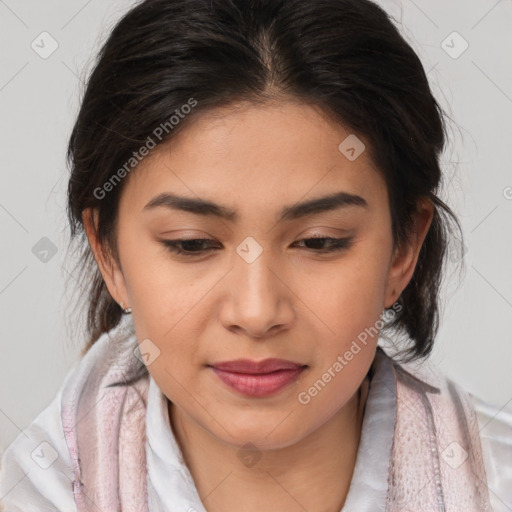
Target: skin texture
[291, 302]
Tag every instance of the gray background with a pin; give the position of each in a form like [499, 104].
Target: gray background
[41, 334]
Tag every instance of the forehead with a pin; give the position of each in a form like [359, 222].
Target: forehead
[258, 157]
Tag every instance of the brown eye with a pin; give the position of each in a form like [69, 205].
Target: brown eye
[318, 244]
[188, 247]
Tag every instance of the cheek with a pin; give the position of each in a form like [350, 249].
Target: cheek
[160, 291]
[166, 310]
[350, 297]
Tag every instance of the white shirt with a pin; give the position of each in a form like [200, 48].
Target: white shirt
[36, 475]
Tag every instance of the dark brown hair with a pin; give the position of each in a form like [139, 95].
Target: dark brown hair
[344, 56]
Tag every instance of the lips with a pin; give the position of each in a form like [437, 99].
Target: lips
[257, 378]
[256, 367]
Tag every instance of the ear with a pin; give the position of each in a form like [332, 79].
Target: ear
[404, 261]
[109, 268]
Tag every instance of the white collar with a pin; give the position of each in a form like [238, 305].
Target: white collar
[169, 482]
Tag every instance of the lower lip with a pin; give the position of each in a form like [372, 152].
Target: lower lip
[258, 385]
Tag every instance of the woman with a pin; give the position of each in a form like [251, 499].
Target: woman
[255, 183]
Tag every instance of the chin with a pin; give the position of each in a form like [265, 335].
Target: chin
[271, 433]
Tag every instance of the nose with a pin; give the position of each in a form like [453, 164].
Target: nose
[257, 301]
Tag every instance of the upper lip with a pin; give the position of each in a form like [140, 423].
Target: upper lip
[255, 367]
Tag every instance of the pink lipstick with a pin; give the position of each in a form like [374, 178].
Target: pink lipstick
[257, 378]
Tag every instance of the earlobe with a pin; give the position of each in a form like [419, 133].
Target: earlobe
[405, 259]
[109, 269]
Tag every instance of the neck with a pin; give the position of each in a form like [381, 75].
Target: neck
[281, 479]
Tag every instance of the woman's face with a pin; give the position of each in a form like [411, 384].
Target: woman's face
[256, 288]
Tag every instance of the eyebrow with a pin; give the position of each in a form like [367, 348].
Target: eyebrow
[291, 212]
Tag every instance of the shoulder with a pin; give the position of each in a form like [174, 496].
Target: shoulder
[493, 427]
[35, 469]
[495, 424]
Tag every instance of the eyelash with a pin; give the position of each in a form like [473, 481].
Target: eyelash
[337, 244]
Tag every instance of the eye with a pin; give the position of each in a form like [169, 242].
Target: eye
[334, 244]
[188, 247]
[195, 246]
